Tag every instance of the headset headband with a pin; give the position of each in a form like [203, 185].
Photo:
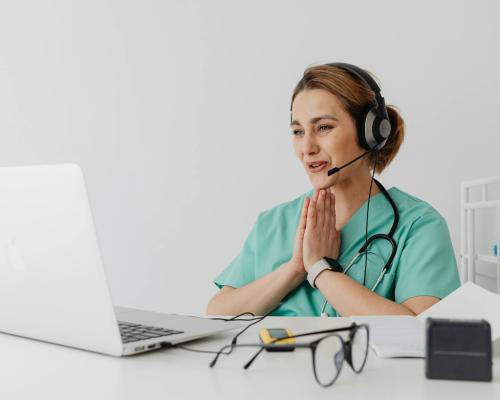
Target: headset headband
[365, 77]
[374, 127]
[360, 73]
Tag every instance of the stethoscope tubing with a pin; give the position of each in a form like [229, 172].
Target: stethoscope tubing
[388, 237]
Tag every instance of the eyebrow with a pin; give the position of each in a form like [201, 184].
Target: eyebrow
[316, 119]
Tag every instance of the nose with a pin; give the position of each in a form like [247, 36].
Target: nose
[309, 146]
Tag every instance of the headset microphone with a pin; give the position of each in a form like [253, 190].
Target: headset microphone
[337, 169]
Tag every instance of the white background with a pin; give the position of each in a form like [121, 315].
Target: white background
[178, 113]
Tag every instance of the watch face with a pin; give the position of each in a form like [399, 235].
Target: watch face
[334, 264]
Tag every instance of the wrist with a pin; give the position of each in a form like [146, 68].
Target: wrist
[295, 270]
[309, 263]
[324, 280]
[323, 264]
[313, 260]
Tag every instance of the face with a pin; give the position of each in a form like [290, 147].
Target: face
[324, 136]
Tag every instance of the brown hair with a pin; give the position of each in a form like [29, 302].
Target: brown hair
[355, 96]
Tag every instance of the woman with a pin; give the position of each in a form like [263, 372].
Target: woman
[291, 242]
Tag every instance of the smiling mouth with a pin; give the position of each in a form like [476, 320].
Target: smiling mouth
[317, 167]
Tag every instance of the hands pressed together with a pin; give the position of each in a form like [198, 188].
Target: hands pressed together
[316, 235]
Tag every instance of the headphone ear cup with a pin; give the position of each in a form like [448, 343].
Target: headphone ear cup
[376, 130]
[366, 129]
[362, 127]
[381, 130]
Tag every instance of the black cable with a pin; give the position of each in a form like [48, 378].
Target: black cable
[177, 346]
[240, 315]
[235, 338]
[233, 342]
[258, 319]
[367, 214]
[245, 319]
[235, 318]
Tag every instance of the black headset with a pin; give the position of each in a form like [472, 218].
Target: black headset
[373, 129]
[373, 126]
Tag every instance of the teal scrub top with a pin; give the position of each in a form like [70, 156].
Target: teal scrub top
[424, 264]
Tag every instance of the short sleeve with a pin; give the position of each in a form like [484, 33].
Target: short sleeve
[427, 265]
[241, 271]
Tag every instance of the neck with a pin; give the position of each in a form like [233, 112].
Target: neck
[350, 195]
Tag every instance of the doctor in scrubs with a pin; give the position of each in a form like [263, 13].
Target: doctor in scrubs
[330, 221]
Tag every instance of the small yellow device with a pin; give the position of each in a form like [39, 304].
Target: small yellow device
[269, 336]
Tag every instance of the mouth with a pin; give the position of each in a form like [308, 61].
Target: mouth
[317, 166]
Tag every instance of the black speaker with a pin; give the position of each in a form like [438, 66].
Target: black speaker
[458, 349]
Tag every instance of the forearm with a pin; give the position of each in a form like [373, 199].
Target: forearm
[348, 297]
[260, 296]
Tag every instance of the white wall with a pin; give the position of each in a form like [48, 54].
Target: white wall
[178, 113]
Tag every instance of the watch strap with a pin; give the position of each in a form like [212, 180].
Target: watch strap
[317, 268]
[334, 264]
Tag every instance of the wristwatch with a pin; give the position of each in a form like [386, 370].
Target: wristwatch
[319, 266]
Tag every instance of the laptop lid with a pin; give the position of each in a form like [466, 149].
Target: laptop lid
[52, 282]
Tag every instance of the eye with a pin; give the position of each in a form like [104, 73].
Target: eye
[296, 132]
[324, 128]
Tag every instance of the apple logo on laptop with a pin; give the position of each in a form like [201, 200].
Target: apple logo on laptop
[14, 256]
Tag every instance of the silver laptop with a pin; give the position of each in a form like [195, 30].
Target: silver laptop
[52, 282]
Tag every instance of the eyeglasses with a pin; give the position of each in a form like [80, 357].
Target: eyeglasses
[328, 352]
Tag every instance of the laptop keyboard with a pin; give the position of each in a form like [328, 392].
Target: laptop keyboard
[135, 332]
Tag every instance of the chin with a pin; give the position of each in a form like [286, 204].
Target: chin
[323, 182]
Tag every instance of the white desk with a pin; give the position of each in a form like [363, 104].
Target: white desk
[35, 370]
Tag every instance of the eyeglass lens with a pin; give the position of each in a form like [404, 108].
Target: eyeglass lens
[328, 359]
[359, 348]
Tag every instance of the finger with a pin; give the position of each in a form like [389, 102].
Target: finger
[299, 236]
[328, 214]
[331, 228]
[311, 214]
[321, 209]
[303, 214]
[316, 194]
[333, 211]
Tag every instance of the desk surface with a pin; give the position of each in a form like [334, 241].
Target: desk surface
[35, 370]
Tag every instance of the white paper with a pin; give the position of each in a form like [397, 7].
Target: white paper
[395, 335]
[404, 336]
[469, 301]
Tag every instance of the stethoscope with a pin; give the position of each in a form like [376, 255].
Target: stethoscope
[364, 248]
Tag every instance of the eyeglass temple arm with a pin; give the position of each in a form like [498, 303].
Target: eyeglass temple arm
[250, 362]
[247, 365]
[346, 328]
